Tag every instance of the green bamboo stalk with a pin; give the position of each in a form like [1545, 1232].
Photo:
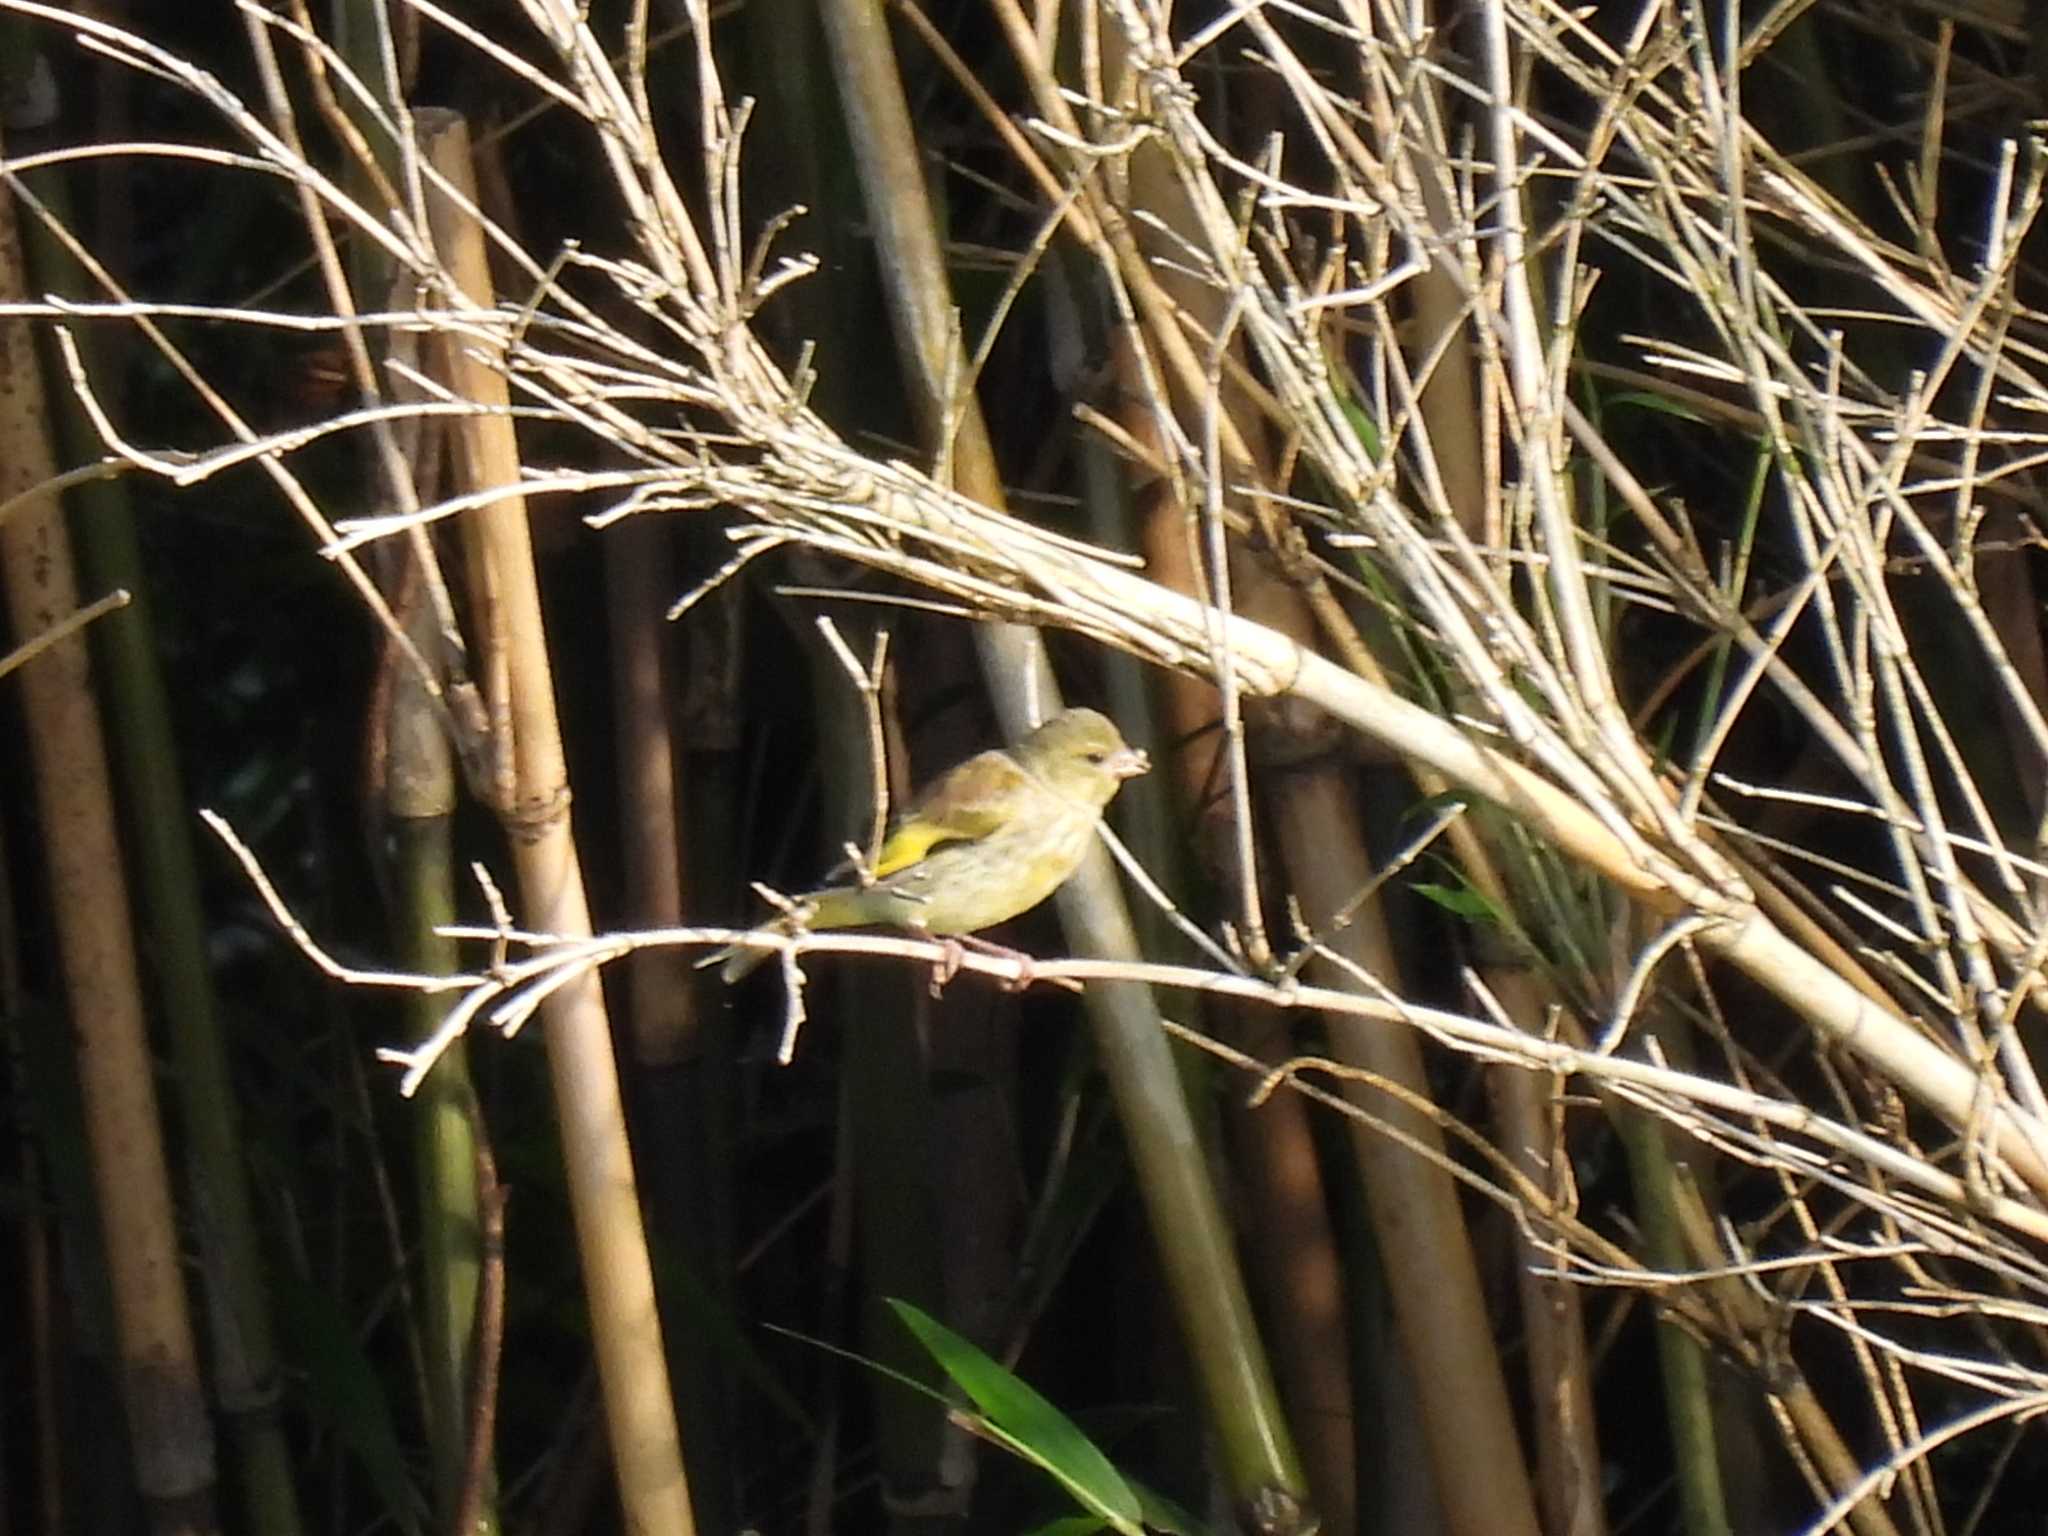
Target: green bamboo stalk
[887, 1103]
[445, 1127]
[888, 1108]
[420, 794]
[1196, 1249]
[1688, 1403]
[888, 1130]
[1290, 1251]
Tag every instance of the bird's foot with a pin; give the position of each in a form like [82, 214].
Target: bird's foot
[1026, 974]
[947, 966]
[954, 954]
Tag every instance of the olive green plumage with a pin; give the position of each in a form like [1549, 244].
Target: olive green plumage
[990, 838]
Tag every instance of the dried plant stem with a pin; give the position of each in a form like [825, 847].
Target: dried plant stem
[1355, 326]
[63, 629]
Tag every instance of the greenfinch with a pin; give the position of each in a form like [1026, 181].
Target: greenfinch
[990, 838]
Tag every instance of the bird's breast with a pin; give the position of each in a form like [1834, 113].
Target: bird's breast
[965, 887]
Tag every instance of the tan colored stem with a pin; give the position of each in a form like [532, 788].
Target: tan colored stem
[618, 1279]
[1432, 1274]
[161, 1389]
[1290, 1247]
[1560, 1367]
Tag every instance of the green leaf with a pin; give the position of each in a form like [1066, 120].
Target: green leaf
[345, 1394]
[708, 1322]
[1362, 426]
[1663, 405]
[1162, 1514]
[1460, 900]
[1344, 385]
[1019, 1418]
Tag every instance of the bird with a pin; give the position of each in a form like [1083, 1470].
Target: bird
[987, 840]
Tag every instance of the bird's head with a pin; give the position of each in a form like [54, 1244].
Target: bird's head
[1080, 753]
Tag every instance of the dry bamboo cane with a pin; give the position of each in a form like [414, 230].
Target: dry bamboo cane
[617, 1275]
[161, 1388]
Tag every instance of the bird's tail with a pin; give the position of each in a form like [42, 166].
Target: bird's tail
[838, 906]
[741, 960]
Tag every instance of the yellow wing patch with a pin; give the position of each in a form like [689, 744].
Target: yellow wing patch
[908, 844]
[971, 801]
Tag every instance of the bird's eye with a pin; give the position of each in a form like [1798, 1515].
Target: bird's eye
[1098, 757]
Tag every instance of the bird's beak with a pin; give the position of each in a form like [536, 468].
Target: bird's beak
[1128, 763]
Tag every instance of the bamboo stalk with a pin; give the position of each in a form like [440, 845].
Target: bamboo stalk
[242, 1344]
[1687, 1399]
[639, 575]
[419, 801]
[1424, 1247]
[618, 1276]
[1196, 1248]
[169, 1428]
[1560, 1366]
[1457, 403]
[1290, 1246]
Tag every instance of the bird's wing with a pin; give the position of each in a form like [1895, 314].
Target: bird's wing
[970, 801]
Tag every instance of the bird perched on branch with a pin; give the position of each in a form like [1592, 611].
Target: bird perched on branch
[990, 838]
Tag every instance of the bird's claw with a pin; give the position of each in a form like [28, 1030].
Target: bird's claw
[953, 954]
[947, 966]
[1024, 978]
